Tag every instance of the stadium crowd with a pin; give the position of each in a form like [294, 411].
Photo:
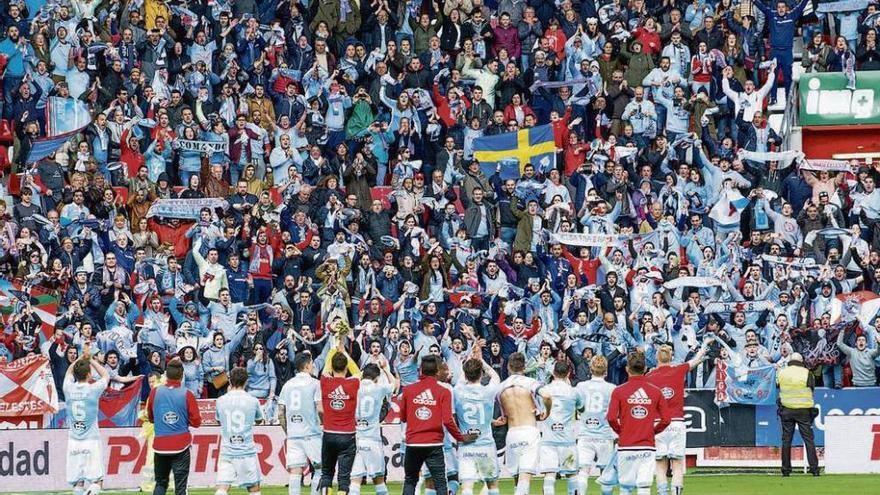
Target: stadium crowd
[341, 135]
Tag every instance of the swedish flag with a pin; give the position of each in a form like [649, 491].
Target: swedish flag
[513, 150]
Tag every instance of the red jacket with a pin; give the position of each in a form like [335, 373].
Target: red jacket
[670, 381]
[510, 112]
[339, 398]
[637, 412]
[426, 408]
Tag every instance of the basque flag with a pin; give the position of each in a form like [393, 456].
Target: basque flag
[513, 150]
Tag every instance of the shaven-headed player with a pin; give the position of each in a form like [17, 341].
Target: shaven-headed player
[85, 465]
[238, 412]
[558, 446]
[595, 438]
[523, 403]
[474, 407]
[369, 461]
[299, 410]
[671, 442]
[637, 412]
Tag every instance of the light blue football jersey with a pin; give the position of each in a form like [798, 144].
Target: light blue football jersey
[474, 406]
[595, 394]
[559, 427]
[369, 408]
[238, 413]
[81, 400]
[300, 396]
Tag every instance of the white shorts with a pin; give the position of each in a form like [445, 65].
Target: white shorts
[302, 451]
[635, 468]
[450, 460]
[84, 461]
[522, 449]
[243, 472]
[671, 442]
[594, 452]
[478, 463]
[562, 459]
[369, 460]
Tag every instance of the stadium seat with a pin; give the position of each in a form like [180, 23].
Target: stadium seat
[6, 135]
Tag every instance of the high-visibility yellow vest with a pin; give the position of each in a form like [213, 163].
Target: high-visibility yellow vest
[793, 390]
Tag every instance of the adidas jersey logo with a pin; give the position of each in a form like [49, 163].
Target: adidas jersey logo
[338, 394]
[639, 397]
[425, 398]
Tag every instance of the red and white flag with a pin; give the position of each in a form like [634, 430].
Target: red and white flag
[27, 387]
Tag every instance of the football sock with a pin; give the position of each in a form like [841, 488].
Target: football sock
[550, 484]
[294, 482]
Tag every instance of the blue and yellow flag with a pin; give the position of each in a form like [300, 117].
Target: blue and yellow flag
[513, 150]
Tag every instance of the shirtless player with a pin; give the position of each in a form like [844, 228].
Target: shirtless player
[523, 404]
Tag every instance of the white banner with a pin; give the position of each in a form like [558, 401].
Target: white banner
[187, 209]
[826, 165]
[598, 240]
[698, 282]
[202, 146]
[745, 306]
[852, 444]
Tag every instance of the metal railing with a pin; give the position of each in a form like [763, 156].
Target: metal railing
[789, 116]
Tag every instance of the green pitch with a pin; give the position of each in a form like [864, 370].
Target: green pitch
[733, 484]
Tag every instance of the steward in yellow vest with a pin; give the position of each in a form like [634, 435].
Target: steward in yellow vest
[796, 408]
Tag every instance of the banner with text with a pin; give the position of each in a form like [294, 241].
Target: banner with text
[27, 387]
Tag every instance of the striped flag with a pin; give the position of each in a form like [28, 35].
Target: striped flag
[65, 117]
[513, 150]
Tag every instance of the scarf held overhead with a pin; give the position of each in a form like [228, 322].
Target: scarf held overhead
[187, 209]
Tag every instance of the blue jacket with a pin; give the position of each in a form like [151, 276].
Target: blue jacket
[782, 28]
[261, 378]
[238, 283]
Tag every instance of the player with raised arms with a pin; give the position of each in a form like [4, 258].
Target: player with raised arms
[474, 408]
[85, 464]
[671, 442]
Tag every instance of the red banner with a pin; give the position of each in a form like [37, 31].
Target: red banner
[27, 387]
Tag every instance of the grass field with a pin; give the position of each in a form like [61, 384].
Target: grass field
[733, 484]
